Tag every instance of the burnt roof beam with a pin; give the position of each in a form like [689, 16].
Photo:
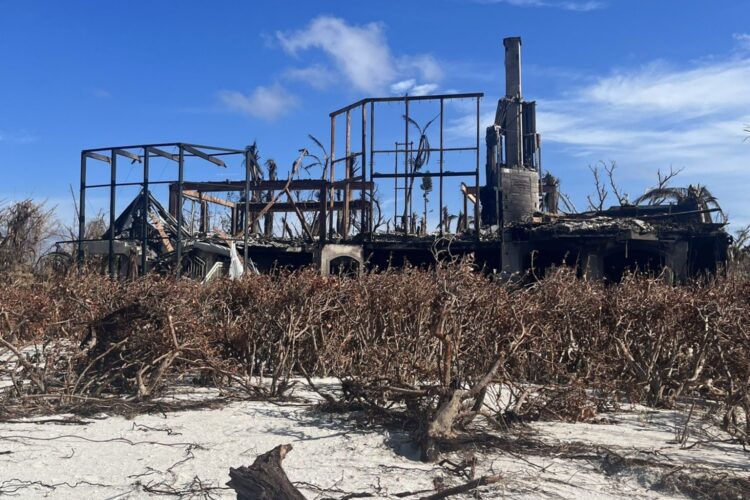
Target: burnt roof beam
[162, 153]
[127, 154]
[201, 154]
[97, 156]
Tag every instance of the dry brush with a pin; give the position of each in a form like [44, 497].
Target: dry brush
[426, 349]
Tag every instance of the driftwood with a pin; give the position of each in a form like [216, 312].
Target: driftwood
[463, 488]
[265, 479]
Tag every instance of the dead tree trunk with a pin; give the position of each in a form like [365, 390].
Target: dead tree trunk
[265, 479]
[453, 407]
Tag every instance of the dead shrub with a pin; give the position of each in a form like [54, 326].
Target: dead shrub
[416, 346]
[24, 227]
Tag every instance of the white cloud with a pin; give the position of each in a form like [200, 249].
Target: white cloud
[576, 6]
[263, 102]
[361, 54]
[425, 64]
[411, 87]
[317, 75]
[706, 89]
[743, 40]
[424, 89]
[680, 110]
[402, 87]
[101, 93]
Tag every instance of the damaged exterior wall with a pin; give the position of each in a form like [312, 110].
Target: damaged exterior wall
[604, 247]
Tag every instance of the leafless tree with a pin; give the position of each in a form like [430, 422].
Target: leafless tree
[601, 190]
[622, 197]
[740, 250]
[25, 226]
[662, 187]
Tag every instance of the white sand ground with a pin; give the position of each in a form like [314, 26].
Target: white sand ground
[113, 457]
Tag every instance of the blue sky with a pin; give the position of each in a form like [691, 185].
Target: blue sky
[648, 84]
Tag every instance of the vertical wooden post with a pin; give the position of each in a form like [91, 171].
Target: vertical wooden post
[112, 208]
[372, 166]
[347, 176]
[144, 215]
[442, 158]
[363, 211]
[477, 222]
[332, 175]
[180, 180]
[82, 210]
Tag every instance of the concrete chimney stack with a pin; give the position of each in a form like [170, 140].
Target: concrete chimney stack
[511, 105]
[512, 67]
[512, 190]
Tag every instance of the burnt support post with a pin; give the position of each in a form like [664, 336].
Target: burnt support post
[476, 185]
[395, 186]
[442, 158]
[180, 181]
[248, 161]
[465, 222]
[363, 212]
[112, 207]
[82, 210]
[332, 176]
[348, 168]
[372, 167]
[323, 214]
[407, 194]
[144, 214]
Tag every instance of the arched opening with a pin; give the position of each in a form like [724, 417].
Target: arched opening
[344, 266]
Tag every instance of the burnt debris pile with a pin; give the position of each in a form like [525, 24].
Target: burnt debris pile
[383, 194]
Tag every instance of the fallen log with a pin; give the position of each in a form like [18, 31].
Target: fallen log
[265, 479]
[463, 488]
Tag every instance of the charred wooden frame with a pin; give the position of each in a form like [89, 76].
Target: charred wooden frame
[141, 153]
[368, 155]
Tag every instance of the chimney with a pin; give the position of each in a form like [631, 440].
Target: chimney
[512, 67]
[511, 104]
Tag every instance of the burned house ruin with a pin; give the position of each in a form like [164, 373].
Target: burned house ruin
[508, 218]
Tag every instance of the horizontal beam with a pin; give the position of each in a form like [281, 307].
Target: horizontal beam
[198, 196]
[296, 185]
[216, 148]
[471, 95]
[124, 184]
[303, 206]
[162, 153]
[351, 155]
[127, 154]
[164, 145]
[431, 150]
[97, 156]
[677, 214]
[201, 154]
[378, 175]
